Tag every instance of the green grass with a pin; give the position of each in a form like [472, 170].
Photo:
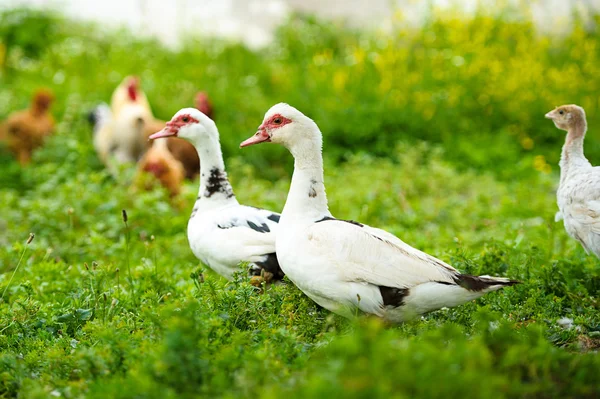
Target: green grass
[74, 322]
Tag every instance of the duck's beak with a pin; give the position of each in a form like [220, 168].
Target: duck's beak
[166, 132]
[261, 136]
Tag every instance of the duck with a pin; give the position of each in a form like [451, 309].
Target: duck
[183, 150]
[221, 232]
[346, 266]
[578, 194]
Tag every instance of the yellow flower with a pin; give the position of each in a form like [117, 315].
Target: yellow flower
[540, 164]
[340, 77]
[359, 55]
[527, 143]
[398, 15]
[385, 85]
[323, 57]
[2, 54]
[428, 113]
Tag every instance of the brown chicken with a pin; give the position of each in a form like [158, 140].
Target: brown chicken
[159, 161]
[26, 130]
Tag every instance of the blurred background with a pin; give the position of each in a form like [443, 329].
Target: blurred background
[254, 21]
[367, 73]
[476, 76]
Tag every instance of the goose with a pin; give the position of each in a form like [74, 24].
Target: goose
[222, 232]
[578, 193]
[345, 266]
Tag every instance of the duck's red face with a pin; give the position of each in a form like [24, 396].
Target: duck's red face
[266, 130]
[173, 126]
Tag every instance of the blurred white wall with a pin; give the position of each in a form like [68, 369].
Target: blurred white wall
[253, 21]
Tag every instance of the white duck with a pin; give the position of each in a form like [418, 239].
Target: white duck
[222, 233]
[347, 266]
[578, 194]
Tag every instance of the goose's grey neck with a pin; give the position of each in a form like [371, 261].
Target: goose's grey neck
[572, 157]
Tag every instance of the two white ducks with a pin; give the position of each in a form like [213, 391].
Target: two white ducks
[578, 194]
[347, 266]
[222, 233]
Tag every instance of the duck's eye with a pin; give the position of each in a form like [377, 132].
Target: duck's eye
[277, 121]
[185, 119]
[561, 112]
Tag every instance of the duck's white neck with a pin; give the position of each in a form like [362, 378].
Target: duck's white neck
[306, 198]
[572, 156]
[215, 188]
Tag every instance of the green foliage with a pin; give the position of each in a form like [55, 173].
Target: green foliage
[443, 362]
[21, 30]
[475, 193]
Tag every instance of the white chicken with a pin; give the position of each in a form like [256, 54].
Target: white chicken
[122, 140]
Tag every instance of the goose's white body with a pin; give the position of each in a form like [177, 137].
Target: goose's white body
[221, 232]
[345, 266]
[578, 198]
[578, 194]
